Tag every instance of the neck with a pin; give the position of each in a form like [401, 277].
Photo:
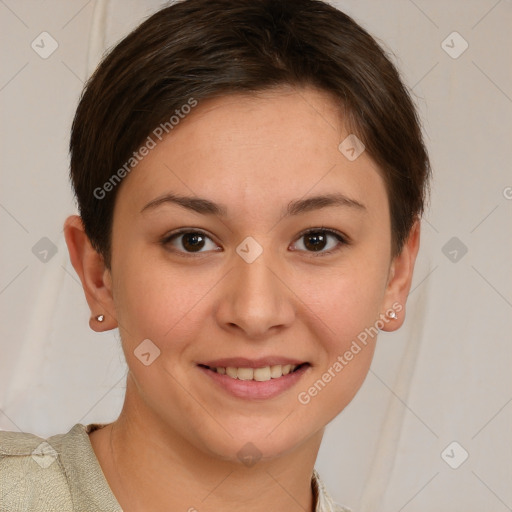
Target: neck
[151, 467]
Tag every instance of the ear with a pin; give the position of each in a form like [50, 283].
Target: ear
[95, 277]
[400, 279]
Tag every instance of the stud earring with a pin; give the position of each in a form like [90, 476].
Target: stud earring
[391, 314]
[100, 318]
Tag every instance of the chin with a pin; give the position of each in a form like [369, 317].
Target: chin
[251, 441]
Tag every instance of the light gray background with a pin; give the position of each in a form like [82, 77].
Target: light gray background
[444, 377]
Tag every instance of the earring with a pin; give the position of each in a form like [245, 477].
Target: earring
[392, 314]
[100, 318]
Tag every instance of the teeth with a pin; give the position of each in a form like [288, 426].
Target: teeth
[276, 371]
[257, 374]
[232, 372]
[262, 374]
[245, 373]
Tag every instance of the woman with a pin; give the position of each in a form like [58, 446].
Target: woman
[250, 179]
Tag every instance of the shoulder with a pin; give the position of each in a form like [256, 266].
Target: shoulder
[60, 473]
[31, 474]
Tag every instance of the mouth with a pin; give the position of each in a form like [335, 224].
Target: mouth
[254, 380]
[260, 374]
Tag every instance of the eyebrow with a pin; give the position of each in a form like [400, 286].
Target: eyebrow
[295, 207]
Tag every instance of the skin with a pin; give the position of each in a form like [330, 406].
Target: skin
[178, 433]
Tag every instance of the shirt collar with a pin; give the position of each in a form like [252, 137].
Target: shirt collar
[87, 484]
[323, 500]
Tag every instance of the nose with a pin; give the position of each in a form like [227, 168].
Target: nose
[255, 299]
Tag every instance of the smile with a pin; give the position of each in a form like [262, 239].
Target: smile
[258, 374]
[254, 380]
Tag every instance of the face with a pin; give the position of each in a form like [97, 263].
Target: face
[246, 272]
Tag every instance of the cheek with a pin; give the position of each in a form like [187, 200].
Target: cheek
[347, 304]
[347, 299]
[159, 300]
[347, 313]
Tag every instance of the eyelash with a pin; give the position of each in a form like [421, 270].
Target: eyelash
[342, 239]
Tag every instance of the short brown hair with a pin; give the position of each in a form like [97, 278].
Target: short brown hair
[211, 48]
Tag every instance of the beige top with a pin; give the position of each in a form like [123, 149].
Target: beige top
[62, 474]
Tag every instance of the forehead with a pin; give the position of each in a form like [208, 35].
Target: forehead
[242, 150]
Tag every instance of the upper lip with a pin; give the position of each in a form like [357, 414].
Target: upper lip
[243, 362]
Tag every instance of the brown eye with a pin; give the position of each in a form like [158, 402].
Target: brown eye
[317, 240]
[189, 242]
[193, 241]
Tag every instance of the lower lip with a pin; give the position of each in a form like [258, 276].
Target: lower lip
[255, 390]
